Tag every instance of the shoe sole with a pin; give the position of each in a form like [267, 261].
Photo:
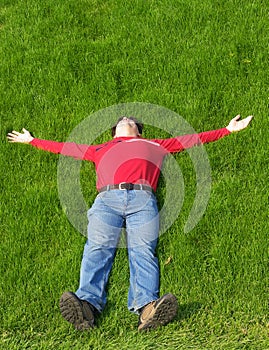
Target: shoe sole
[72, 311]
[165, 312]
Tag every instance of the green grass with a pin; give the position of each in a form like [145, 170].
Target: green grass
[206, 61]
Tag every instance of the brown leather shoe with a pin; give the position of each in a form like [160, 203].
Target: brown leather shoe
[158, 312]
[78, 312]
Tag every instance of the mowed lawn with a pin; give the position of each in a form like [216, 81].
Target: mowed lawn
[207, 61]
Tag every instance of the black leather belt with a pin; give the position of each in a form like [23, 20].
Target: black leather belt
[126, 186]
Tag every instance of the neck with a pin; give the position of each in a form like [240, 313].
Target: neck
[126, 134]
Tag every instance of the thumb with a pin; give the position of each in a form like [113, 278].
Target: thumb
[237, 117]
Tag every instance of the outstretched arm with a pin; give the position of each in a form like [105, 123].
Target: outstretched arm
[237, 125]
[70, 149]
[16, 136]
[179, 143]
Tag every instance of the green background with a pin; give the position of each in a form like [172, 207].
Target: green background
[61, 61]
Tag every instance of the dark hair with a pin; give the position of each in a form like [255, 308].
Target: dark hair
[138, 124]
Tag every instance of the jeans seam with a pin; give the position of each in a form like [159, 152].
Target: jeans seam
[135, 282]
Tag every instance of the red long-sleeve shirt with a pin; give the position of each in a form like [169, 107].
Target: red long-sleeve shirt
[129, 159]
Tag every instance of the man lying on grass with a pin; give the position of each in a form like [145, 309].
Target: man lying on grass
[128, 168]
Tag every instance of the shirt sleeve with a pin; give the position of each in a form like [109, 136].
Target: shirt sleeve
[70, 149]
[179, 143]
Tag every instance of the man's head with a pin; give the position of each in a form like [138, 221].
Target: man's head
[127, 126]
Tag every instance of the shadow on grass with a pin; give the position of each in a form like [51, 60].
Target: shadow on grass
[121, 316]
[185, 311]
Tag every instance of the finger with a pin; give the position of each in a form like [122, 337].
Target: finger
[12, 137]
[245, 122]
[24, 130]
[237, 117]
[16, 133]
[248, 119]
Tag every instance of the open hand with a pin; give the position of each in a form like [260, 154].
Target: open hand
[16, 136]
[237, 125]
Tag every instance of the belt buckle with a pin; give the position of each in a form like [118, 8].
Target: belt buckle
[120, 184]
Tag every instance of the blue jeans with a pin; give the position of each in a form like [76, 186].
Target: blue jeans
[137, 210]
